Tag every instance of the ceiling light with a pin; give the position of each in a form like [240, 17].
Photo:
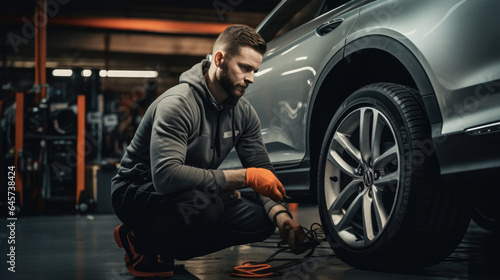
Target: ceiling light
[128, 74]
[62, 72]
[108, 73]
[87, 73]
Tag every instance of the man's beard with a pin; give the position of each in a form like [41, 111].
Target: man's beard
[228, 86]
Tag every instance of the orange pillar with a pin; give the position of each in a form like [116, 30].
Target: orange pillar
[19, 142]
[40, 50]
[80, 147]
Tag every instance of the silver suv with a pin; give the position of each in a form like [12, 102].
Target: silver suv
[387, 112]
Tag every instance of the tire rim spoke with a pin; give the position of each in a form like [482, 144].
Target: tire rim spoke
[378, 205]
[338, 161]
[377, 126]
[388, 156]
[368, 231]
[344, 196]
[343, 140]
[364, 134]
[390, 178]
[346, 220]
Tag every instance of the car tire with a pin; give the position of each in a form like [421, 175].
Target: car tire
[485, 220]
[486, 212]
[381, 201]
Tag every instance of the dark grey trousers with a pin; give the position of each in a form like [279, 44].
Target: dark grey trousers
[190, 224]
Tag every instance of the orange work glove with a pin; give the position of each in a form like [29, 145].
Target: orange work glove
[264, 182]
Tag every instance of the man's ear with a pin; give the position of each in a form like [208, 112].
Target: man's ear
[218, 58]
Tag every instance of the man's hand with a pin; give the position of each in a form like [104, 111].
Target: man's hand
[264, 182]
[291, 231]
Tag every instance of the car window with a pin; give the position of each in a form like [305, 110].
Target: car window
[294, 13]
[307, 12]
[329, 5]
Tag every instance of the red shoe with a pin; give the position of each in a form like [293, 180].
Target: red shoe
[141, 265]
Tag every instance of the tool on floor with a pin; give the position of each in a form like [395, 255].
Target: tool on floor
[252, 269]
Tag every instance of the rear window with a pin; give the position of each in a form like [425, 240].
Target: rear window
[294, 13]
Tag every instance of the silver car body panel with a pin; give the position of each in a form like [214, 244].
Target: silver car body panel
[463, 67]
[292, 66]
[460, 64]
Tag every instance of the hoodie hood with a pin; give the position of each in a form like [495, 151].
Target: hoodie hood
[194, 77]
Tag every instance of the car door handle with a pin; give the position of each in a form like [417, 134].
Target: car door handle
[328, 27]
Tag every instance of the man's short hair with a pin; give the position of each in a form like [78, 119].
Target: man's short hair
[238, 35]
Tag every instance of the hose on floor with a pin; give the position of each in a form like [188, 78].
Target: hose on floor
[253, 269]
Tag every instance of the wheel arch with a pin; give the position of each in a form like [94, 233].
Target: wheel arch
[363, 61]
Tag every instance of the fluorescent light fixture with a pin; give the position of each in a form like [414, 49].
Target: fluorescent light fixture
[87, 73]
[62, 72]
[108, 73]
[128, 74]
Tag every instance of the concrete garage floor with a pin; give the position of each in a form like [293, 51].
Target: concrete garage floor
[82, 247]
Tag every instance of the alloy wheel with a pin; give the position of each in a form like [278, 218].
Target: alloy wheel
[362, 176]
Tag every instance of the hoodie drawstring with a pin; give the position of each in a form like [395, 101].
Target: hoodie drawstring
[217, 136]
[212, 137]
[232, 126]
[215, 140]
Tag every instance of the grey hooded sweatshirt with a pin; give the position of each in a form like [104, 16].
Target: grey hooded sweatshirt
[185, 135]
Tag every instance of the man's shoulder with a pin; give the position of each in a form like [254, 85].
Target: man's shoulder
[177, 99]
[181, 94]
[245, 106]
[181, 90]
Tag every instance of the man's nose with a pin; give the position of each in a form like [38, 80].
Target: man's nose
[249, 77]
